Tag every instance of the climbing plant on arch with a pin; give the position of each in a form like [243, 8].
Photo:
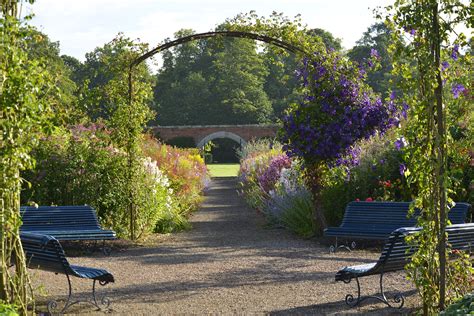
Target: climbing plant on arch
[427, 50]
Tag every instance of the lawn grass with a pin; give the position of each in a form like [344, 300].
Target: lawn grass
[220, 170]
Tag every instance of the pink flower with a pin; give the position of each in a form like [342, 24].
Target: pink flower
[369, 199]
[357, 200]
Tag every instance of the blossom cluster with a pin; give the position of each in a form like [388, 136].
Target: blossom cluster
[271, 174]
[160, 181]
[337, 110]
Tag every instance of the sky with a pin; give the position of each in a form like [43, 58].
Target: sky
[81, 26]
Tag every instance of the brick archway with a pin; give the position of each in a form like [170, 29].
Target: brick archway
[221, 134]
[203, 134]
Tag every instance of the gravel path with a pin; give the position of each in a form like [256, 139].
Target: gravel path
[228, 263]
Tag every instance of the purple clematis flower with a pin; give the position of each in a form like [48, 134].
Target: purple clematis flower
[457, 89]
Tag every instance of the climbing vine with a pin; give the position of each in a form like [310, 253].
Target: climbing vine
[23, 85]
[426, 48]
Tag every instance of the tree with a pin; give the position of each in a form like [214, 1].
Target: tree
[182, 92]
[97, 74]
[426, 61]
[328, 39]
[281, 82]
[214, 81]
[239, 75]
[63, 96]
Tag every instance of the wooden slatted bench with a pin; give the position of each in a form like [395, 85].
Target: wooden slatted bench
[65, 223]
[376, 220]
[395, 255]
[46, 253]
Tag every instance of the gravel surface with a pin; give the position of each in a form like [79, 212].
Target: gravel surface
[228, 263]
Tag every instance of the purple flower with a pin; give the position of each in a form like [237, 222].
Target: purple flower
[444, 65]
[412, 32]
[402, 168]
[393, 95]
[374, 53]
[399, 143]
[455, 52]
[382, 161]
[404, 110]
[457, 89]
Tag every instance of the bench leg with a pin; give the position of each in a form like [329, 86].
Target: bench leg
[105, 249]
[101, 304]
[333, 248]
[397, 301]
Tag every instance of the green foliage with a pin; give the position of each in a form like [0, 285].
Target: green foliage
[256, 147]
[463, 306]
[297, 214]
[62, 96]
[24, 109]
[328, 39]
[103, 77]
[376, 177]
[421, 61]
[7, 310]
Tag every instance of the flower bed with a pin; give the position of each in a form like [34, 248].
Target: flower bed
[81, 166]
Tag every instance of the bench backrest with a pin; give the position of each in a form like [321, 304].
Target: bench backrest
[58, 217]
[392, 215]
[44, 252]
[396, 253]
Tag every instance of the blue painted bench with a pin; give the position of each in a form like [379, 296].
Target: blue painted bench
[65, 223]
[376, 220]
[395, 255]
[46, 253]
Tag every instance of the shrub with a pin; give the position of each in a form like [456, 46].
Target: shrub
[463, 306]
[272, 184]
[376, 176]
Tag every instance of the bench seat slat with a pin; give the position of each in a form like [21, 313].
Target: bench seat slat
[69, 222]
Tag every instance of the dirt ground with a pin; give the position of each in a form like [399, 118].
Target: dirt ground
[228, 263]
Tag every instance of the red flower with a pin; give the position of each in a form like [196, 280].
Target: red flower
[369, 199]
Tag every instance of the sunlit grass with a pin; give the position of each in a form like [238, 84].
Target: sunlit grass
[223, 170]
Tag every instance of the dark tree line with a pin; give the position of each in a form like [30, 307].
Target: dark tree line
[213, 81]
